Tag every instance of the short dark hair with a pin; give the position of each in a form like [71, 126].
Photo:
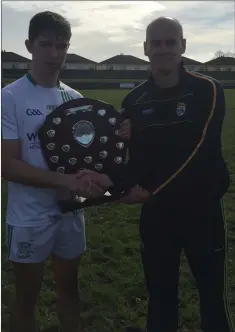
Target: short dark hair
[49, 22]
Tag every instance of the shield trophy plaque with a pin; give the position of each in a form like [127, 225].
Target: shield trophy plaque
[83, 134]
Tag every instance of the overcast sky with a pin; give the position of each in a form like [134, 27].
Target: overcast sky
[102, 29]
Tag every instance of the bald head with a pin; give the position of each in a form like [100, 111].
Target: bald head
[164, 21]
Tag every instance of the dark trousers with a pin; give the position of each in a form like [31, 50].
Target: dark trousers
[200, 232]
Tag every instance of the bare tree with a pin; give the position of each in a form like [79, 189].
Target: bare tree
[221, 54]
[230, 54]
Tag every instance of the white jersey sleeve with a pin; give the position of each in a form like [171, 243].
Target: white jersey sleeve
[76, 94]
[73, 94]
[9, 119]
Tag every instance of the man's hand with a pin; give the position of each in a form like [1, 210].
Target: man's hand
[125, 130]
[97, 179]
[81, 185]
[136, 195]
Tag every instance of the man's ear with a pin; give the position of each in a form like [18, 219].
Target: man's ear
[183, 45]
[28, 45]
[145, 48]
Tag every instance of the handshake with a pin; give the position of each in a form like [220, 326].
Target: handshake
[90, 184]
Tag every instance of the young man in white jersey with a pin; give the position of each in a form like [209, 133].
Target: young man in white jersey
[35, 227]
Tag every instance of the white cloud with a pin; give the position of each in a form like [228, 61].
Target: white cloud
[105, 28]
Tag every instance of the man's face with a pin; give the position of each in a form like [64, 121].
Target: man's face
[164, 46]
[48, 51]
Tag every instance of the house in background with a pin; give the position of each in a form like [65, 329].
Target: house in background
[12, 60]
[77, 62]
[129, 62]
[192, 65]
[221, 64]
[123, 62]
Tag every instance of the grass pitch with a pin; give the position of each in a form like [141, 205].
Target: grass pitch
[111, 277]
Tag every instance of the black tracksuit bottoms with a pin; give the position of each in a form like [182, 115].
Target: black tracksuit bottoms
[200, 231]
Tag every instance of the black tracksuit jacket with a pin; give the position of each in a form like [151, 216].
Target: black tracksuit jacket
[175, 149]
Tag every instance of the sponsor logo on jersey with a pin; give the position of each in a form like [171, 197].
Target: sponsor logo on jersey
[33, 111]
[34, 142]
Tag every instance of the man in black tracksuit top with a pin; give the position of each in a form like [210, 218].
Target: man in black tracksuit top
[175, 154]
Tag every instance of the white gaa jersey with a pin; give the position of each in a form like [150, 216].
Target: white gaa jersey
[25, 106]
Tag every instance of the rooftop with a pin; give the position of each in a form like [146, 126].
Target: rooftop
[13, 57]
[188, 61]
[122, 59]
[222, 61]
[74, 58]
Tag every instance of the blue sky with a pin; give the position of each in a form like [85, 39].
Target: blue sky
[102, 29]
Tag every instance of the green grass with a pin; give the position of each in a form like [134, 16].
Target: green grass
[111, 276]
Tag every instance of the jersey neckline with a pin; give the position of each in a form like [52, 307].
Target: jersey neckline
[33, 81]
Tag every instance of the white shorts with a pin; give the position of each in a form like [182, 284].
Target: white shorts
[65, 237]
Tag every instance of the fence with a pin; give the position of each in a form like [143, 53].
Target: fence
[132, 75]
[112, 80]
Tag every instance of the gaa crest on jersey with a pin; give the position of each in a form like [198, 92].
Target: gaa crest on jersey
[24, 250]
[181, 108]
